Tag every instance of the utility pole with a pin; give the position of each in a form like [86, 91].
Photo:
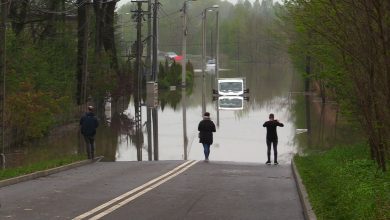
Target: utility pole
[3, 57]
[149, 76]
[184, 49]
[183, 77]
[137, 94]
[155, 41]
[155, 77]
[137, 99]
[149, 43]
[138, 18]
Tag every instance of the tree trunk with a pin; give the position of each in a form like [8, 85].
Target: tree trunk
[99, 23]
[82, 37]
[105, 31]
[50, 27]
[109, 34]
[18, 15]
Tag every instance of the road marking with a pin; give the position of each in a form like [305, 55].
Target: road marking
[117, 203]
[124, 202]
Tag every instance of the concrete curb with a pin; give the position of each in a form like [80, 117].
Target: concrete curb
[307, 209]
[43, 173]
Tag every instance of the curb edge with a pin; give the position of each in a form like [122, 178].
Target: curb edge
[47, 172]
[307, 209]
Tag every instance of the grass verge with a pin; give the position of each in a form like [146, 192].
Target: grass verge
[344, 183]
[43, 165]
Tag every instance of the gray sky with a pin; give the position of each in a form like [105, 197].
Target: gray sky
[122, 2]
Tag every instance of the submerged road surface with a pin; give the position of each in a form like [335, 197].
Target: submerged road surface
[157, 190]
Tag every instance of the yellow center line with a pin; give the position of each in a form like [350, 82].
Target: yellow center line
[115, 203]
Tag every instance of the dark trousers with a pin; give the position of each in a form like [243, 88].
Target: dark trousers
[90, 145]
[275, 145]
[206, 148]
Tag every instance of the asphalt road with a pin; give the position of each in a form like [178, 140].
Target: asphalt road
[157, 190]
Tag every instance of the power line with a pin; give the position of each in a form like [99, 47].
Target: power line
[169, 15]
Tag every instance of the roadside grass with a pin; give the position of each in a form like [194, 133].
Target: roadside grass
[39, 166]
[344, 183]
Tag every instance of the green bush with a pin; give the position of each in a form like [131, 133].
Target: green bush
[171, 75]
[40, 85]
[344, 184]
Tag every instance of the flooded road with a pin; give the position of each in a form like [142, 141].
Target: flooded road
[240, 137]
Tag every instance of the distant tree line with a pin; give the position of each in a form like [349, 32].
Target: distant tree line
[251, 32]
[248, 32]
[345, 46]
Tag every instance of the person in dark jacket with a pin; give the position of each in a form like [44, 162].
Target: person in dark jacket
[88, 125]
[206, 128]
[272, 138]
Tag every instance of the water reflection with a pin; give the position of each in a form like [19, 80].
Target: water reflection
[240, 135]
[184, 110]
[230, 103]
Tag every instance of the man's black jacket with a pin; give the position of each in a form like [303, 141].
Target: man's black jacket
[88, 124]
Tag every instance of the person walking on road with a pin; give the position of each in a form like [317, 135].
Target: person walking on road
[88, 125]
[206, 128]
[272, 138]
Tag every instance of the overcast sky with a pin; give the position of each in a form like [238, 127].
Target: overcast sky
[122, 2]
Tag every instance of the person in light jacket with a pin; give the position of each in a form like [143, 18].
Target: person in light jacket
[206, 128]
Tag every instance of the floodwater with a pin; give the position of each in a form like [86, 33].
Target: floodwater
[240, 137]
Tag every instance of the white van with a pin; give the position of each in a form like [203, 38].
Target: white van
[231, 86]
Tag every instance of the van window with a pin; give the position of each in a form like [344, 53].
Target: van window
[230, 86]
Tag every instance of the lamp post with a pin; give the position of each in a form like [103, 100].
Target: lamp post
[217, 62]
[217, 47]
[212, 8]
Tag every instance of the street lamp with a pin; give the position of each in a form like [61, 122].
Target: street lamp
[217, 47]
[212, 8]
[217, 62]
